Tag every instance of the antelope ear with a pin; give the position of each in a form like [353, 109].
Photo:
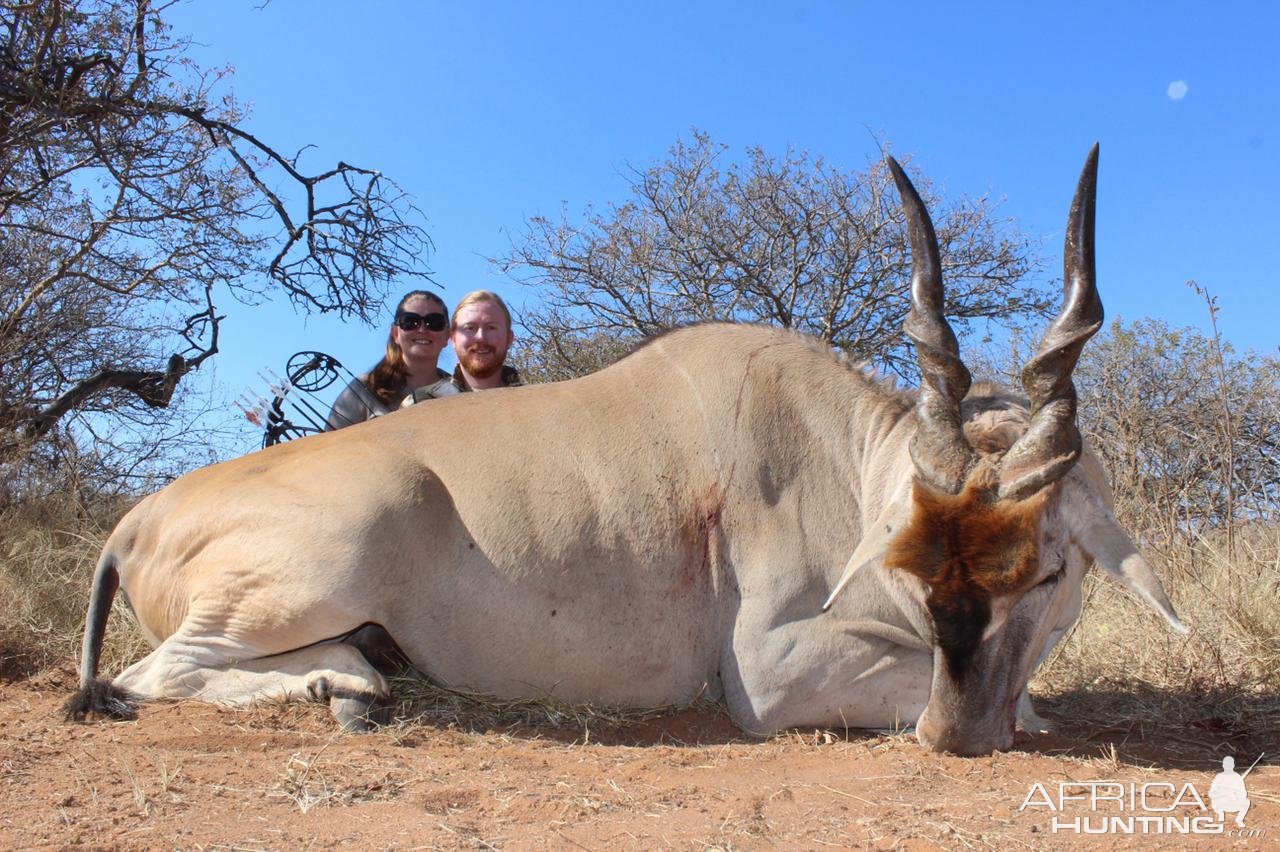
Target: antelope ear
[876, 539]
[1097, 531]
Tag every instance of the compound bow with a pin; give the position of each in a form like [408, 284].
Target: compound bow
[293, 408]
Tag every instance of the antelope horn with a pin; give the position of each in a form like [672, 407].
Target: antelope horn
[1051, 444]
[941, 454]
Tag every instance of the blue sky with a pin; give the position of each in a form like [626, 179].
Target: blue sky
[488, 113]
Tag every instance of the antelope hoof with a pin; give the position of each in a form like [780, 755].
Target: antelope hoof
[356, 711]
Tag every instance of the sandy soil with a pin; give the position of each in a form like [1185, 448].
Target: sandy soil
[194, 776]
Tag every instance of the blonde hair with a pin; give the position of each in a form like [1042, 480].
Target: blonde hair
[481, 296]
[387, 379]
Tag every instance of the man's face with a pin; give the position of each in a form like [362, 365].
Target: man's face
[481, 337]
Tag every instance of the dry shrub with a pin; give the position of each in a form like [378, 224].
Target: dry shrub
[48, 550]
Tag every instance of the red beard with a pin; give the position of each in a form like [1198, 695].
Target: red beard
[481, 365]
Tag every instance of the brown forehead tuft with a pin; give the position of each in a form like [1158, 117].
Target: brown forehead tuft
[969, 544]
[994, 418]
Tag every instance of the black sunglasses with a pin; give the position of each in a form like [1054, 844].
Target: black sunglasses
[409, 321]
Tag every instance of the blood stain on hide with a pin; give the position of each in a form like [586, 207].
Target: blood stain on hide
[702, 532]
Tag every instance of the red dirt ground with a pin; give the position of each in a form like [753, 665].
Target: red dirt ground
[194, 776]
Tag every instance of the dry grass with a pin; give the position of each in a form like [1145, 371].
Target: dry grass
[1122, 666]
[420, 701]
[47, 556]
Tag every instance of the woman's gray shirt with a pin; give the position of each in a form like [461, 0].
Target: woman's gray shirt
[357, 403]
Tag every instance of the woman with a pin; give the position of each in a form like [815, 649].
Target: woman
[408, 372]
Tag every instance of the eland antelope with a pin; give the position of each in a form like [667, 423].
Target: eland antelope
[730, 510]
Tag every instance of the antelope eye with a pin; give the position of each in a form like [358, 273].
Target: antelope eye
[1053, 578]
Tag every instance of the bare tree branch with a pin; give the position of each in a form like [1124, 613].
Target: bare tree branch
[133, 196]
[153, 388]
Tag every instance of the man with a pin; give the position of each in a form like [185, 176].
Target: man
[481, 337]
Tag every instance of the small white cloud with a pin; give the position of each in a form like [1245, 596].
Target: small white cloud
[1177, 90]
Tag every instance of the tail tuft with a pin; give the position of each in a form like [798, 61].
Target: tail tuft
[99, 698]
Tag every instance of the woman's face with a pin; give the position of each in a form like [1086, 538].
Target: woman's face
[421, 346]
